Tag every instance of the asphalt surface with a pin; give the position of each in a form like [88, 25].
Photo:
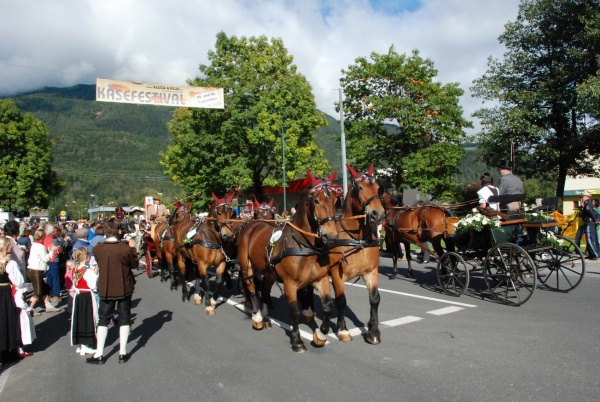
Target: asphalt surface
[434, 347]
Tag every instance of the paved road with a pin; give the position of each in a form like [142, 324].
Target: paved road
[434, 347]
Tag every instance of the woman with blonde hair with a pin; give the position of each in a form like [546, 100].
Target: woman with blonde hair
[85, 307]
[37, 265]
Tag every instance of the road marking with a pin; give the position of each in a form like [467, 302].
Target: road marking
[401, 321]
[357, 331]
[415, 296]
[303, 334]
[445, 310]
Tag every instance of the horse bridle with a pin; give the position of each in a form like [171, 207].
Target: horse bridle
[218, 224]
[313, 219]
[363, 177]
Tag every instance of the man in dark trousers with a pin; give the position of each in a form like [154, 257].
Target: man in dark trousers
[116, 282]
[590, 218]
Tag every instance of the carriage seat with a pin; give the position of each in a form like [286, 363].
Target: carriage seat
[507, 199]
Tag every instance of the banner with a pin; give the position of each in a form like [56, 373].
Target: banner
[159, 94]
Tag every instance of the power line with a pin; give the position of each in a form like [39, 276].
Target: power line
[138, 176]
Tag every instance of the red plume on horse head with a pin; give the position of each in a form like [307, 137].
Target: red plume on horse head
[313, 181]
[256, 203]
[217, 199]
[271, 202]
[354, 173]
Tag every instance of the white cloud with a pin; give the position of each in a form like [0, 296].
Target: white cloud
[65, 42]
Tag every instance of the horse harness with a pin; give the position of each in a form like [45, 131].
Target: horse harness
[354, 243]
[306, 248]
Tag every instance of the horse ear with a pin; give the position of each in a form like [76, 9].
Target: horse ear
[271, 202]
[312, 181]
[188, 206]
[353, 172]
[370, 170]
[331, 178]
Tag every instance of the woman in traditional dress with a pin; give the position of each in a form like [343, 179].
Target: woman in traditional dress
[85, 308]
[9, 314]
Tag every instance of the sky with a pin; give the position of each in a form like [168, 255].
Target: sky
[60, 43]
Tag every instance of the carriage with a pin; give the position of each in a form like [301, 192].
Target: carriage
[512, 258]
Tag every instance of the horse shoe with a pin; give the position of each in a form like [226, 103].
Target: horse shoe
[344, 336]
[319, 338]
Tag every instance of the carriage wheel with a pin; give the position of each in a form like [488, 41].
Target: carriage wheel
[561, 268]
[452, 274]
[148, 258]
[509, 274]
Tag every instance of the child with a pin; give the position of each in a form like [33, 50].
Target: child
[85, 308]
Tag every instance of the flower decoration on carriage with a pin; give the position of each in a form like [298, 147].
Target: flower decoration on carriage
[550, 239]
[475, 221]
[531, 214]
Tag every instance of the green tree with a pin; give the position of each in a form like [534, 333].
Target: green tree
[552, 49]
[399, 118]
[242, 145]
[26, 176]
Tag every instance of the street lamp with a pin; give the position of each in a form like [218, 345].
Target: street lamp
[250, 95]
[90, 210]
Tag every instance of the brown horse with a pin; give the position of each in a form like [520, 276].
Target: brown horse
[296, 254]
[165, 242]
[418, 226]
[356, 251]
[264, 211]
[201, 242]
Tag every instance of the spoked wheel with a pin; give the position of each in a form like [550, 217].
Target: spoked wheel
[148, 259]
[562, 267]
[509, 274]
[452, 274]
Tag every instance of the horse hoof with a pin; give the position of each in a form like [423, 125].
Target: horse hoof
[393, 276]
[373, 339]
[209, 311]
[300, 348]
[268, 325]
[319, 338]
[257, 325]
[344, 336]
[409, 275]
[173, 289]
[197, 300]
[185, 299]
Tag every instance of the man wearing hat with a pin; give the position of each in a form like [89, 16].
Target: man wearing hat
[509, 183]
[590, 218]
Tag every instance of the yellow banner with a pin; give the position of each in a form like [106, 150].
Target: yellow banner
[159, 94]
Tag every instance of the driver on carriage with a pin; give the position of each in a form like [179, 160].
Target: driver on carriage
[158, 213]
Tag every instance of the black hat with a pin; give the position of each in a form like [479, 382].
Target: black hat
[505, 164]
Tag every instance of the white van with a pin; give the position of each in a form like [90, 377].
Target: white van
[6, 217]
